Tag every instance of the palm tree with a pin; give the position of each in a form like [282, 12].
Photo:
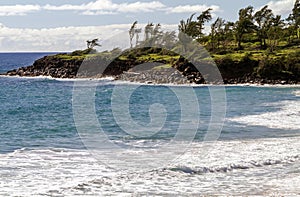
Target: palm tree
[157, 34]
[156, 30]
[169, 39]
[148, 30]
[228, 35]
[137, 32]
[274, 33]
[192, 28]
[92, 43]
[188, 27]
[263, 18]
[204, 17]
[244, 24]
[132, 32]
[295, 18]
[217, 31]
[183, 26]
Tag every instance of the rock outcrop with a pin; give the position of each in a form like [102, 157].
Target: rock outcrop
[180, 71]
[52, 66]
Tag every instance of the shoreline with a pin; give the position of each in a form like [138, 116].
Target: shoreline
[122, 82]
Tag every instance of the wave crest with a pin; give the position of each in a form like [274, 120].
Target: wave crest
[231, 167]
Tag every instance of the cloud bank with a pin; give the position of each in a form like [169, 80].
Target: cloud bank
[54, 39]
[281, 7]
[18, 10]
[65, 38]
[106, 7]
[193, 8]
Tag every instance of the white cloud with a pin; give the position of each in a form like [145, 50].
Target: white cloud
[281, 7]
[101, 7]
[96, 13]
[55, 39]
[97, 5]
[15, 10]
[193, 8]
[65, 38]
[104, 7]
[141, 7]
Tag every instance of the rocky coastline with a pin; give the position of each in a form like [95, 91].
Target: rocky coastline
[180, 72]
[51, 66]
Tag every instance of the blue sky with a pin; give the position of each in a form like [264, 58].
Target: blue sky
[63, 25]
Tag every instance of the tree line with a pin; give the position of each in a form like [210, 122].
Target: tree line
[262, 27]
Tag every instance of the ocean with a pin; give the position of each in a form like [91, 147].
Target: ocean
[106, 138]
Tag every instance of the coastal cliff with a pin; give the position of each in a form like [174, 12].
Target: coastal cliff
[171, 69]
[49, 66]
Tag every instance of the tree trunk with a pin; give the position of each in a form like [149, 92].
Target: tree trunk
[264, 44]
[240, 37]
[239, 45]
[261, 44]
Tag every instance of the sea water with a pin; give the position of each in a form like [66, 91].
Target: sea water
[43, 153]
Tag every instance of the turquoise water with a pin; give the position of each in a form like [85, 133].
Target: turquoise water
[38, 112]
[37, 115]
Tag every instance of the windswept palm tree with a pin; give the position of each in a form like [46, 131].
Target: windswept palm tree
[263, 18]
[192, 28]
[137, 32]
[295, 18]
[217, 30]
[132, 32]
[92, 43]
[169, 39]
[148, 30]
[275, 32]
[203, 18]
[153, 34]
[244, 24]
[156, 30]
[184, 26]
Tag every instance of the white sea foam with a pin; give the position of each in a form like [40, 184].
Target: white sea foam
[287, 117]
[36, 172]
[120, 82]
[297, 93]
[85, 79]
[265, 85]
[61, 79]
[252, 167]
[17, 76]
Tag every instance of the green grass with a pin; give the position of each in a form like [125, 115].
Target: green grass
[258, 54]
[78, 55]
[69, 57]
[165, 66]
[123, 58]
[157, 57]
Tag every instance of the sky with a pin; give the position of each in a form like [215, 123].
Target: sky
[65, 25]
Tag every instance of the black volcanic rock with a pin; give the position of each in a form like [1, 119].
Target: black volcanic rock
[85, 64]
[49, 66]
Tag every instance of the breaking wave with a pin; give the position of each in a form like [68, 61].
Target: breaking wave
[236, 166]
